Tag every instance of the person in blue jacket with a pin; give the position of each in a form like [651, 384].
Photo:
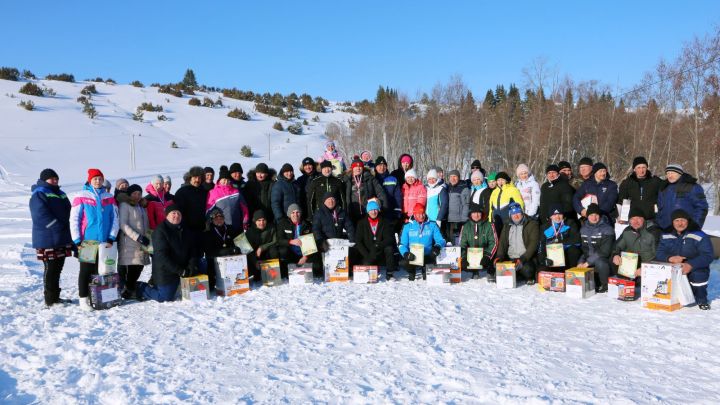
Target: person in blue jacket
[393, 190]
[437, 198]
[603, 189]
[93, 216]
[688, 245]
[421, 231]
[50, 213]
[680, 191]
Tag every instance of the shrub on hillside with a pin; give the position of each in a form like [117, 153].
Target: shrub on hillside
[169, 89]
[278, 126]
[138, 116]
[194, 102]
[9, 73]
[239, 114]
[31, 89]
[83, 100]
[136, 83]
[62, 77]
[90, 110]
[162, 117]
[246, 151]
[295, 129]
[219, 102]
[88, 90]
[149, 107]
[305, 122]
[48, 91]
[28, 105]
[316, 119]
[173, 145]
[207, 102]
[28, 75]
[110, 81]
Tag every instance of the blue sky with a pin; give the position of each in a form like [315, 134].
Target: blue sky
[344, 50]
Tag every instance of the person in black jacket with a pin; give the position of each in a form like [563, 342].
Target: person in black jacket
[175, 255]
[263, 239]
[405, 163]
[236, 176]
[598, 238]
[331, 222]
[284, 191]
[208, 182]
[217, 242]
[375, 240]
[50, 212]
[258, 190]
[190, 200]
[289, 229]
[361, 186]
[556, 191]
[641, 188]
[323, 184]
[307, 168]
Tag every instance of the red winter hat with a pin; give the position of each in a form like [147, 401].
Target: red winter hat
[94, 173]
[419, 209]
[357, 163]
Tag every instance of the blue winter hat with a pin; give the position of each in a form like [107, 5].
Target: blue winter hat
[515, 208]
[372, 205]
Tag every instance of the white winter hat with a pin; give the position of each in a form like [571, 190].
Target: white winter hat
[477, 175]
[168, 179]
[432, 174]
[410, 173]
[157, 179]
[522, 167]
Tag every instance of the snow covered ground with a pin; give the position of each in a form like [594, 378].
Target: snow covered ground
[394, 342]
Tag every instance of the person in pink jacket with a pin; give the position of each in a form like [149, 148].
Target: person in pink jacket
[413, 192]
[230, 201]
[157, 201]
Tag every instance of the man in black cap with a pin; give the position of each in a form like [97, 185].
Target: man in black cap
[689, 246]
[236, 176]
[393, 190]
[597, 238]
[191, 199]
[600, 190]
[284, 191]
[563, 232]
[638, 238]
[209, 180]
[641, 188]
[567, 172]
[475, 166]
[322, 184]
[258, 191]
[680, 190]
[309, 172]
[556, 190]
[585, 168]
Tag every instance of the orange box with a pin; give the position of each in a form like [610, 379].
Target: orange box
[551, 281]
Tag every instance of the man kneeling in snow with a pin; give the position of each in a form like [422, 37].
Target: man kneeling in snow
[175, 255]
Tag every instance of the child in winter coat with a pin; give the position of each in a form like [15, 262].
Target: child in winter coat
[229, 199]
[94, 216]
[562, 232]
[478, 232]
[50, 213]
[413, 193]
[218, 241]
[423, 232]
[331, 154]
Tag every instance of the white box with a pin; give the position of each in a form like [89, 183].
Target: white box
[660, 284]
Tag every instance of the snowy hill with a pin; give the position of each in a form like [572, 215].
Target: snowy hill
[394, 342]
[59, 135]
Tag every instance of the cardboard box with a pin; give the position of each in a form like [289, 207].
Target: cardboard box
[437, 274]
[622, 289]
[365, 274]
[336, 265]
[659, 286]
[551, 281]
[270, 272]
[231, 275]
[505, 275]
[105, 291]
[196, 288]
[299, 275]
[580, 283]
[451, 256]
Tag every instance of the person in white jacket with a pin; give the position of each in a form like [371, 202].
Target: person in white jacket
[529, 189]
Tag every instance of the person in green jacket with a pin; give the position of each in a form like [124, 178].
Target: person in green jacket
[519, 243]
[636, 238]
[478, 232]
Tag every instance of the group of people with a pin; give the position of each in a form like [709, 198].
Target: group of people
[386, 214]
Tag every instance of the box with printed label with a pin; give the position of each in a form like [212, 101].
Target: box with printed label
[270, 272]
[551, 281]
[437, 274]
[336, 265]
[105, 291]
[505, 275]
[365, 274]
[580, 282]
[298, 275]
[232, 275]
[196, 288]
[659, 286]
[622, 289]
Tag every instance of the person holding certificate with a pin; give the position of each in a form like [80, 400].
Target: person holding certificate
[638, 238]
[478, 233]
[290, 231]
[560, 243]
[519, 242]
[420, 235]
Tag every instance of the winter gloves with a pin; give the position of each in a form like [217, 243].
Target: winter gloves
[485, 262]
[436, 250]
[548, 262]
[143, 240]
[409, 256]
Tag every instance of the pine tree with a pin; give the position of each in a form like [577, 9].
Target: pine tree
[489, 100]
[189, 79]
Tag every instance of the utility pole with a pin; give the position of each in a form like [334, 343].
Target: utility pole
[268, 137]
[132, 152]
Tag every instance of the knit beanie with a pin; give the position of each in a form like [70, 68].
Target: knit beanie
[94, 173]
[209, 169]
[586, 161]
[492, 176]
[674, 167]
[326, 163]
[504, 176]
[293, 207]
[478, 175]
[372, 205]
[522, 167]
[432, 174]
[475, 164]
[456, 173]
[49, 174]
[287, 167]
[170, 208]
[564, 164]
[552, 168]
[262, 168]
[133, 188]
[258, 214]
[410, 173]
[640, 160]
[680, 213]
[236, 167]
[592, 209]
[380, 161]
[120, 182]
